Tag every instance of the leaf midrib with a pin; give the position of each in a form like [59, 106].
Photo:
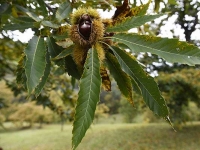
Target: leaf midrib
[65, 9]
[139, 81]
[84, 116]
[34, 57]
[63, 12]
[154, 48]
[115, 67]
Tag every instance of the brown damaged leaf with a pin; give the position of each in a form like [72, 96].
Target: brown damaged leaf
[123, 9]
[106, 83]
[139, 10]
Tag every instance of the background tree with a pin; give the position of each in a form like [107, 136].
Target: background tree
[173, 86]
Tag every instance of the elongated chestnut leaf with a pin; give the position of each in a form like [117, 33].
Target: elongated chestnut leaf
[53, 48]
[61, 33]
[88, 97]
[45, 76]
[43, 7]
[49, 24]
[171, 50]
[64, 10]
[135, 86]
[132, 22]
[148, 86]
[122, 79]
[35, 62]
[65, 43]
[20, 26]
[4, 7]
[65, 52]
[71, 67]
[29, 13]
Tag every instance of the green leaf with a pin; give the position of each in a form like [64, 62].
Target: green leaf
[40, 86]
[49, 24]
[65, 52]
[61, 33]
[24, 19]
[29, 13]
[64, 10]
[20, 26]
[135, 86]
[122, 79]
[171, 50]
[88, 97]
[35, 62]
[61, 37]
[148, 86]
[53, 48]
[73, 82]
[65, 43]
[4, 7]
[132, 22]
[43, 7]
[71, 67]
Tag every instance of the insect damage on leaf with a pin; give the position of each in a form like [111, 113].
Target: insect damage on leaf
[106, 83]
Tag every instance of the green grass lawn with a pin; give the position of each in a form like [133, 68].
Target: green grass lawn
[105, 137]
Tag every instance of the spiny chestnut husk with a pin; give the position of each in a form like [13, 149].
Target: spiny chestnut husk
[87, 27]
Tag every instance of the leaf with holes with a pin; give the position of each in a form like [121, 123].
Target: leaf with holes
[88, 97]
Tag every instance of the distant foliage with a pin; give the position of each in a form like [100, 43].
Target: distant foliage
[2, 118]
[181, 90]
[30, 113]
[101, 111]
[130, 112]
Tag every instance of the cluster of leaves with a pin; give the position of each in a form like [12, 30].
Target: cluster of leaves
[31, 113]
[42, 51]
[173, 86]
[129, 114]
